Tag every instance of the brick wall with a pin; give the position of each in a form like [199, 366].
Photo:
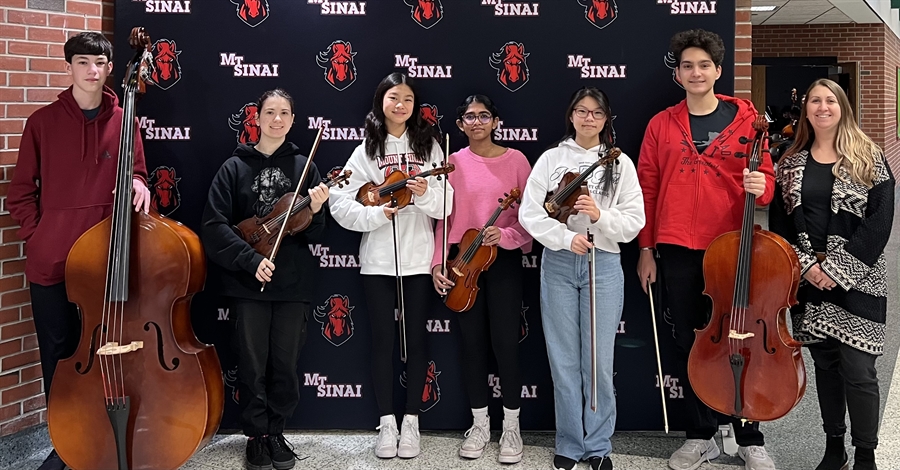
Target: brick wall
[32, 73]
[743, 49]
[873, 45]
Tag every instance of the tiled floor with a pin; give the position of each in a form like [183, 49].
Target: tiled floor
[796, 442]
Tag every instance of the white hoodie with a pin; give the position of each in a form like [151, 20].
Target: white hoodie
[621, 213]
[416, 228]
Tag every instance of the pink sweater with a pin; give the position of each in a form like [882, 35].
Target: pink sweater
[478, 182]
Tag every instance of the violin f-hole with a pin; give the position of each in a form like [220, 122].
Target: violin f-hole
[91, 352]
[766, 337]
[159, 348]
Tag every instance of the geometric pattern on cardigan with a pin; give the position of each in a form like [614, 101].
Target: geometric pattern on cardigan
[820, 321]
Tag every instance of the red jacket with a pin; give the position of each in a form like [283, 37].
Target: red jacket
[64, 179]
[691, 198]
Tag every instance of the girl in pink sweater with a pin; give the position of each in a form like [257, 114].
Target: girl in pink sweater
[484, 172]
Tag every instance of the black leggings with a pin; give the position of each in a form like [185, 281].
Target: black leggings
[493, 323]
[381, 299]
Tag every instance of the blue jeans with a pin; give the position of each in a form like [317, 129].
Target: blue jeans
[565, 313]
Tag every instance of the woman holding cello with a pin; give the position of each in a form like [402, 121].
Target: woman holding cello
[484, 171]
[834, 203]
[271, 324]
[399, 145]
[609, 210]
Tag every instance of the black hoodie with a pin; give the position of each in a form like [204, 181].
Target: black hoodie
[247, 185]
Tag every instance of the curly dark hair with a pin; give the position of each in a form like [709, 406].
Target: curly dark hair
[706, 40]
[421, 134]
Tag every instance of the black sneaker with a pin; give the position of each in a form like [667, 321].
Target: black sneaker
[258, 454]
[52, 462]
[282, 452]
[600, 463]
[564, 463]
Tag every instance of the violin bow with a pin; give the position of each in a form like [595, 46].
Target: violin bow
[312, 153]
[401, 307]
[446, 177]
[662, 393]
[592, 283]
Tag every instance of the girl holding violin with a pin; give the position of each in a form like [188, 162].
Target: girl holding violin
[611, 212]
[834, 202]
[484, 171]
[270, 324]
[397, 140]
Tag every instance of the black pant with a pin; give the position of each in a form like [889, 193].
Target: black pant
[381, 299]
[58, 327]
[270, 336]
[846, 380]
[681, 270]
[494, 321]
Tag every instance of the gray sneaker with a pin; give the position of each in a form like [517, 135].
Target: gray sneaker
[693, 453]
[756, 458]
[477, 438]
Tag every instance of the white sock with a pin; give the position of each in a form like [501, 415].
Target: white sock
[479, 413]
[511, 414]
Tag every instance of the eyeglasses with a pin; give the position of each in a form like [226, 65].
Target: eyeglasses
[471, 117]
[583, 113]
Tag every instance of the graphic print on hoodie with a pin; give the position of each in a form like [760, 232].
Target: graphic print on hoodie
[407, 162]
[270, 184]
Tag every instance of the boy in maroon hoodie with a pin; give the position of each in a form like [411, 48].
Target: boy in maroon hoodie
[694, 188]
[63, 186]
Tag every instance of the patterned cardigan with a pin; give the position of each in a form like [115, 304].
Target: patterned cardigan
[854, 312]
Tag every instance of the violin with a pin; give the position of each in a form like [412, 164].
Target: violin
[473, 258]
[140, 391]
[394, 186]
[560, 204]
[262, 232]
[745, 363]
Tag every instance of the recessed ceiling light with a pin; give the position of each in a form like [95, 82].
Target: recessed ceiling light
[763, 8]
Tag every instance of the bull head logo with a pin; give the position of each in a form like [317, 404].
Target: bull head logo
[252, 12]
[231, 380]
[334, 315]
[337, 60]
[600, 13]
[429, 113]
[431, 392]
[164, 194]
[672, 63]
[523, 324]
[426, 12]
[244, 122]
[166, 69]
[509, 61]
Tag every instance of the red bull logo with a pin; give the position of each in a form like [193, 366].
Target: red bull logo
[252, 12]
[334, 315]
[166, 70]
[682, 7]
[600, 13]
[430, 115]
[426, 12]
[431, 392]
[337, 60]
[164, 195]
[245, 124]
[509, 61]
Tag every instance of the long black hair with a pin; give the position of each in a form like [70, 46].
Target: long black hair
[421, 134]
[276, 93]
[607, 134]
[482, 99]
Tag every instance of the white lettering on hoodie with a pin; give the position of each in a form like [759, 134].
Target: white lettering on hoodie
[621, 213]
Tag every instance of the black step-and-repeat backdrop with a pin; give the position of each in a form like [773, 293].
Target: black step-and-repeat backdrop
[213, 59]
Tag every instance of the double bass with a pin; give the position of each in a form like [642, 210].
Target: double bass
[745, 363]
[141, 391]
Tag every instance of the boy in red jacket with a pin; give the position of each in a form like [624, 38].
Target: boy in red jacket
[63, 186]
[694, 189]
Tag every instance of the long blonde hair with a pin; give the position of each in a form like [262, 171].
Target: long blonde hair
[856, 151]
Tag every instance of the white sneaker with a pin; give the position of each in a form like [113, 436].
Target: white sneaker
[756, 458]
[693, 453]
[477, 438]
[386, 444]
[409, 437]
[511, 447]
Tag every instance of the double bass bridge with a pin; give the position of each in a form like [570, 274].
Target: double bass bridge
[113, 349]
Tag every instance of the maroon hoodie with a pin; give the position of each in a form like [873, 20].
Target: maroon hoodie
[64, 179]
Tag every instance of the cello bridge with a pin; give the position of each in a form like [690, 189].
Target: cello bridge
[732, 334]
[113, 348]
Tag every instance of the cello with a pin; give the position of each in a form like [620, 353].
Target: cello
[141, 391]
[745, 363]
